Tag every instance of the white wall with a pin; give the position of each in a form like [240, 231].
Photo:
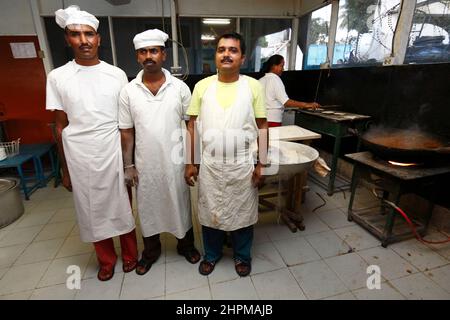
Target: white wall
[262, 8]
[104, 8]
[16, 18]
[307, 6]
[255, 8]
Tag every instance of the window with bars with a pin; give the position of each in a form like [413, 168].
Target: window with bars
[429, 36]
[365, 31]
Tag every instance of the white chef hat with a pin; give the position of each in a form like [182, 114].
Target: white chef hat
[73, 15]
[150, 38]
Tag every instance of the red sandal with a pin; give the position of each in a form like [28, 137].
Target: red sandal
[129, 266]
[104, 274]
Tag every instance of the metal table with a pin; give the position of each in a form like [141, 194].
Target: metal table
[336, 125]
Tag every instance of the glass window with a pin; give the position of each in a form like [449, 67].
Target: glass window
[62, 53]
[124, 31]
[429, 37]
[317, 38]
[365, 31]
[196, 38]
[211, 29]
[264, 38]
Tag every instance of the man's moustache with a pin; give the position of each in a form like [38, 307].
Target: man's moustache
[226, 60]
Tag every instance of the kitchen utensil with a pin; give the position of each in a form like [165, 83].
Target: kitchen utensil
[412, 146]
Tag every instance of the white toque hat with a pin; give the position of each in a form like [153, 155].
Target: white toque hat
[150, 38]
[73, 15]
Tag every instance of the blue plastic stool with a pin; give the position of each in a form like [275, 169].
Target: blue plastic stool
[17, 162]
[37, 151]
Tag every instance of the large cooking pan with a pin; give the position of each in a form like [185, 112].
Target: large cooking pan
[406, 145]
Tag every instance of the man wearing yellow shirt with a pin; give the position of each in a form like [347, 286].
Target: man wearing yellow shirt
[227, 109]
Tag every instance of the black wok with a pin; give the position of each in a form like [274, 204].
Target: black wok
[406, 145]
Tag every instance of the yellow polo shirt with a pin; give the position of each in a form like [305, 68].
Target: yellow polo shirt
[226, 95]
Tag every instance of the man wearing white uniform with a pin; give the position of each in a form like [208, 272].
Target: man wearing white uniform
[229, 109]
[275, 92]
[152, 110]
[84, 93]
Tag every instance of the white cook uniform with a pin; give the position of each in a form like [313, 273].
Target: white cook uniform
[89, 96]
[227, 199]
[162, 194]
[276, 96]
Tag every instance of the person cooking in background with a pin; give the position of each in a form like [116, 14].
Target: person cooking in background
[228, 107]
[84, 94]
[275, 92]
[152, 110]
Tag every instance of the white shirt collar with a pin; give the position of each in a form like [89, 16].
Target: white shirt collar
[76, 67]
[166, 74]
[271, 74]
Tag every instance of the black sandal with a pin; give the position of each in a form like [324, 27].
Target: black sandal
[144, 264]
[243, 269]
[191, 255]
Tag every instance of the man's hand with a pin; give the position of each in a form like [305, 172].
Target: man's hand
[66, 182]
[190, 174]
[312, 105]
[131, 177]
[257, 177]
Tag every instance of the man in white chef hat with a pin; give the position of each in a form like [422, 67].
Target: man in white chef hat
[152, 109]
[84, 93]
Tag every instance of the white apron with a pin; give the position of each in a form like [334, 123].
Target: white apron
[227, 199]
[162, 194]
[94, 158]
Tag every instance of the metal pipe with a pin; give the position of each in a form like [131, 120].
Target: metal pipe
[294, 41]
[42, 37]
[113, 42]
[176, 67]
[332, 34]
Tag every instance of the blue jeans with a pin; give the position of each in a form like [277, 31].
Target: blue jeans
[241, 239]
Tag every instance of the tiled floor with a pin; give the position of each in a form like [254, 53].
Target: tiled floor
[328, 260]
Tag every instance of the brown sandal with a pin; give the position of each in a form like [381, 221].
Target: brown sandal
[243, 269]
[206, 267]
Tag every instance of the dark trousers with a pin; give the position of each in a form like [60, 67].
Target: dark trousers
[152, 245]
[241, 240]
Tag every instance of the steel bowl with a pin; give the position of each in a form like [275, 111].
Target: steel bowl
[10, 201]
[290, 158]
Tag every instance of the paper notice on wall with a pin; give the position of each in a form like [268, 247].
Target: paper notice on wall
[23, 50]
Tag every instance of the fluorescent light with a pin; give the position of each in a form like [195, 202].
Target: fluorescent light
[208, 37]
[216, 21]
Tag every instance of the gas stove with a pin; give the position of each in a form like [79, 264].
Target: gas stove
[403, 171]
[392, 181]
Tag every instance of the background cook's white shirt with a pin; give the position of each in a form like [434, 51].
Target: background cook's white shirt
[276, 96]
